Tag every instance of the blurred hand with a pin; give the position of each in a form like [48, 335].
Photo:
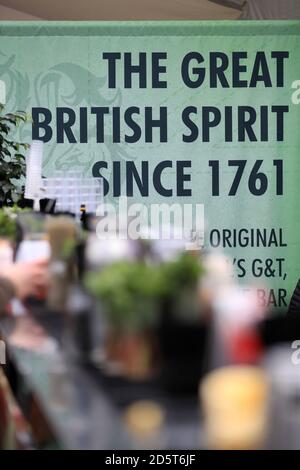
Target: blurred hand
[29, 278]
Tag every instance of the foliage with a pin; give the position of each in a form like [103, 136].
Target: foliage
[9, 221]
[8, 224]
[12, 161]
[131, 291]
[181, 273]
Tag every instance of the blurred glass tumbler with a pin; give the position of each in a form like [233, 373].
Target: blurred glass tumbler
[62, 232]
[235, 408]
[282, 367]
[32, 225]
[145, 420]
[6, 252]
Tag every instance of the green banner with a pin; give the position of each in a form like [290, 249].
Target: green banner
[175, 112]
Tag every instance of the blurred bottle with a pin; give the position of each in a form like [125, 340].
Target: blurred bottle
[284, 377]
[33, 244]
[79, 325]
[83, 216]
[235, 405]
[62, 233]
[145, 421]
[235, 312]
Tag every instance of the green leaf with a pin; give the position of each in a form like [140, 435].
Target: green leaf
[4, 129]
[6, 152]
[19, 156]
[11, 121]
[12, 162]
[25, 146]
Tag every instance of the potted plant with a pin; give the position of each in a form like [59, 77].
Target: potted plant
[181, 278]
[11, 233]
[12, 160]
[130, 292]
[8, 235]
[182, 333]
[8, 224]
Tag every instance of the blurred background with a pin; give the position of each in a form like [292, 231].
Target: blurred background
[113, 343]
[109, 342]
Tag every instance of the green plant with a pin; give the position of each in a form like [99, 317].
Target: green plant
[130, 291]
[8, 224]
[12, 161]
[9, 221]
[181, 274]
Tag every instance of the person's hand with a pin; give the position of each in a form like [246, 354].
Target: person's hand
[29, 278]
